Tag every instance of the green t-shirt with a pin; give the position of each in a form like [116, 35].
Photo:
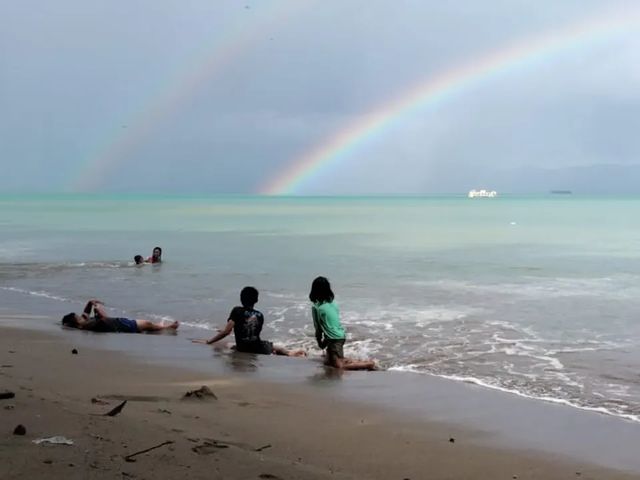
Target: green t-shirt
[326, 319]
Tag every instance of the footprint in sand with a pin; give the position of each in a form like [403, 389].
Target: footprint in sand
[209, 447]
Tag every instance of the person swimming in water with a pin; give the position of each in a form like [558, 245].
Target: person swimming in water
[139, 259]
[156, 256]
[94, 318]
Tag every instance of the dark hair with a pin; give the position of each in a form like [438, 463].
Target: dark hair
[138, 259]
[249, 296]
[69, 320]
[157, 248]
[321, 291]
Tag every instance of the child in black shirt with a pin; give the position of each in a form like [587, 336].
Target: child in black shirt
[246, 323]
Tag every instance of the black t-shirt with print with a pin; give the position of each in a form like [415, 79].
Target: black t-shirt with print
[247, 324]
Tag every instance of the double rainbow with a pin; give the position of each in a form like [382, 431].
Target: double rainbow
[438, 89]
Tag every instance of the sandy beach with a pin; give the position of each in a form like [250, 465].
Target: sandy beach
[251, 429]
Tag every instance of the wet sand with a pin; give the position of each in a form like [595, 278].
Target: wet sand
[253, 429]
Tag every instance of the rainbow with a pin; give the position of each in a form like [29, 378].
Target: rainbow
[440, 88]
[249, 27]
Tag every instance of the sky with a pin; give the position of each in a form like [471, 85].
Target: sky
[227, 96]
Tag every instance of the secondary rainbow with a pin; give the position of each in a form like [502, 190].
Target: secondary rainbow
[240, 33]
[441, 87]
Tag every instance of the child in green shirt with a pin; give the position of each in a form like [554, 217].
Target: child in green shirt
[329, 332]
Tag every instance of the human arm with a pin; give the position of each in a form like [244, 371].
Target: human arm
[93, 304]
[318, 329]
[98, 309]
[222, 333]
[88, 308]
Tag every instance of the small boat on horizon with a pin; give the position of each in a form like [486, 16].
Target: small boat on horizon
[482, 194]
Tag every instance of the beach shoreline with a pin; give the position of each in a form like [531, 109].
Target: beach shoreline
[312, 429]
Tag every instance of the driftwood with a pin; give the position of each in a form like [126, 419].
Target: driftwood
[116, 410]
[129, 458]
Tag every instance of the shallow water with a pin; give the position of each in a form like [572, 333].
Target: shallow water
[539, 296]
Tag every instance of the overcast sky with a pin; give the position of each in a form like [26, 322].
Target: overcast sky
[220, 96]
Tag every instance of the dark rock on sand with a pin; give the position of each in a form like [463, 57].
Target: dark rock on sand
[20, 430]
[203, 392]
[6, 394]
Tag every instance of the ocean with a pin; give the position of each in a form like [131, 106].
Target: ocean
[538, 296]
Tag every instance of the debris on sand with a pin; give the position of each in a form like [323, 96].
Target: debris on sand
[209, 446]
[116, 410]
[129, 458]
[99, 401]
[56, 440]
[202, 393]
[20, 430]
[6, 394]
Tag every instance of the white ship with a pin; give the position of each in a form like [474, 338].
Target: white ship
[482, 193]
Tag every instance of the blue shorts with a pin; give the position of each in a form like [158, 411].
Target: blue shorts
[125, 325]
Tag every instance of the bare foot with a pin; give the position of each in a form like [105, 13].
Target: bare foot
[298, 353]
[173, 326]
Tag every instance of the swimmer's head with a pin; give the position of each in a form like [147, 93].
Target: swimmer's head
[138, 259]
[157, 253]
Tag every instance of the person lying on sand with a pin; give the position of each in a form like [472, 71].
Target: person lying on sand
[101, 322]
[330, 334]
[246, 323]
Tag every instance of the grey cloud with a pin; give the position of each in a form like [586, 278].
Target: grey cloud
[76, 77]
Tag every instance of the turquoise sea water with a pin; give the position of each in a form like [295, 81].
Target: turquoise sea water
[539, 296]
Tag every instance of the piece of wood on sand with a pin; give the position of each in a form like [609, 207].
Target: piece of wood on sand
[129, 458]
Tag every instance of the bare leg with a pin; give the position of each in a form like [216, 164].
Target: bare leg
[289, 353]
[147, 326]
[349, 364]
[359, 365]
